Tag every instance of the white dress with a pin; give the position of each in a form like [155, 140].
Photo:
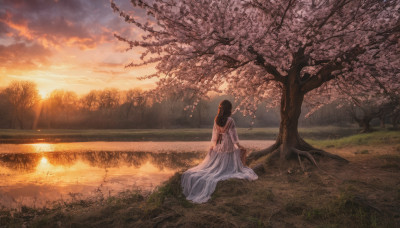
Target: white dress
[221, 163]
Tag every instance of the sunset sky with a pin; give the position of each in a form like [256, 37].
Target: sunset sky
[67, 44]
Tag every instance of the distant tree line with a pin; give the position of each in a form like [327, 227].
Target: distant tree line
[22, 108]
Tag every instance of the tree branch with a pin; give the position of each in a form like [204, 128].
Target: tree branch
[268, 67]
[340, 4]
[325, 73]
[284, 14]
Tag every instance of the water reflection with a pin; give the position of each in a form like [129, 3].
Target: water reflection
[34, 179]
[154, 147]
[35, 174]
[42, 147]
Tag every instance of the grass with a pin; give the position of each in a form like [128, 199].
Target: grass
[192, 134]
[348, 210]
[367, 139]
[362, 193]
[268, 202]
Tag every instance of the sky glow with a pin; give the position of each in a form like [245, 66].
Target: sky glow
[67, 44]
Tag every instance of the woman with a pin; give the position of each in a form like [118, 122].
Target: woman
[222, 162]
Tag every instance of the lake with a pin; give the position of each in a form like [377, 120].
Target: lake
[41, 174]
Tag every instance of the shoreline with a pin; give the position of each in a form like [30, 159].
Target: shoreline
[362, 193]
[11, 136]
[276, 199]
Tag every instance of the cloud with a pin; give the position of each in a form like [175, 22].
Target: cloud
[65, 23]
[60, 32]
[4, 29]
[50, 23]
[112, 65]
[68, 44]
[22, 57]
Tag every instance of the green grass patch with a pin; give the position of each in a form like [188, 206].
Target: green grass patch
[374, 138]
[188, 134]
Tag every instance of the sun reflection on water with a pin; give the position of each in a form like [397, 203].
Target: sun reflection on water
[43, 167]
[43, 160]
[47, 172]
[42, 147]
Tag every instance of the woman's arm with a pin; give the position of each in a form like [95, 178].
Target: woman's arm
[214, 136]
[233, 134]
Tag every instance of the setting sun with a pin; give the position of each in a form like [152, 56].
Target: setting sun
[209, 113]
[43, 160]
[43, 94]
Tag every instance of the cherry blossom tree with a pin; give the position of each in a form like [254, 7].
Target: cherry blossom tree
[365, 110]
[286, 51]
[391, 90]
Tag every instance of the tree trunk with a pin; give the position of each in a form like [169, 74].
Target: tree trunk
[290, 110]
[199, 115]
[289, 144]
[14, 119]
[395, 120]
[21, 122]
[365, 124]
[128, 110]
[382, 119]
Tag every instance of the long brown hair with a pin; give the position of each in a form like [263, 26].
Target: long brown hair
[224, 111]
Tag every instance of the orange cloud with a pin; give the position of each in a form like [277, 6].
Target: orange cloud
[55, 33]
[21, 57]
[67, 45]
[21, 27]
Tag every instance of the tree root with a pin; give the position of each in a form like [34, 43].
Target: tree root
[259, 169]
[258, 154]
[305, 154]
[301, 164]
[308, 155]
[307, 147]
[327, 154]
[302, 150]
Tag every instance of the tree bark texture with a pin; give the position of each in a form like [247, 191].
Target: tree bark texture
[289, 144]
[290, 110]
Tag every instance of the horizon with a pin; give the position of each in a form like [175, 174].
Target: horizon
[69, 45]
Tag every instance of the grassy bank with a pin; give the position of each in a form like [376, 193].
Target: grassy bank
[370, 139]
[362, 193]
[21, 136]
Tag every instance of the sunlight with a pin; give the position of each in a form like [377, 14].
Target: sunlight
[42, 147]
[43, 94]
[44, 160]
[44, 166]
[38, 111]
[149, 168]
